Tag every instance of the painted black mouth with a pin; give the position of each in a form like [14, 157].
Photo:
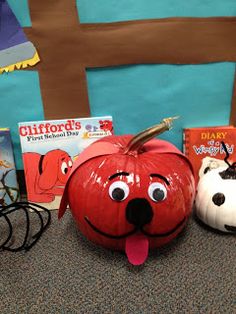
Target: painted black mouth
[110, 235]
[165, 234]
[230, 228]
[129, 233]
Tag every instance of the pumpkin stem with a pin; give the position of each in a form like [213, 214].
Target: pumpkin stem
[137, 142]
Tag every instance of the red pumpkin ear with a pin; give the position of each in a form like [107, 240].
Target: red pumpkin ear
[93, 150]
[49, 169]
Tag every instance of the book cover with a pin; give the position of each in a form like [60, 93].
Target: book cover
[48, 150]
[203, 146]
[9, 188]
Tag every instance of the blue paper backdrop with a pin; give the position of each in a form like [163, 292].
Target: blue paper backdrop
[20, 101]
[140, 96]
[91, 11]
[21, 11]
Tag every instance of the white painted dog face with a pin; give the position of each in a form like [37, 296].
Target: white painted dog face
[216, 196]
[209, 163]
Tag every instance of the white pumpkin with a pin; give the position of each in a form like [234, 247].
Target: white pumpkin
[216, 198]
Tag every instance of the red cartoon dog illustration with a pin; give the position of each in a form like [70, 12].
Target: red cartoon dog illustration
[46, 175]
[106, 125]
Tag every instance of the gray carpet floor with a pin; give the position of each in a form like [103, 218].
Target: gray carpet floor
[65, 273]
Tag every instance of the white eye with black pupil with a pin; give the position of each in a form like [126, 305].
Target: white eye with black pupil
[64, 167]
[118, 191]
[157, 192]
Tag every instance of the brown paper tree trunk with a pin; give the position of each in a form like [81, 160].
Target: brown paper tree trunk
[68, 47]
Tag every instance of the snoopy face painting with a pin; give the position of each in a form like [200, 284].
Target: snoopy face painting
[216, 197]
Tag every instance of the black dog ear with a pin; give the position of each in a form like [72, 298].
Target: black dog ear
[40, 166]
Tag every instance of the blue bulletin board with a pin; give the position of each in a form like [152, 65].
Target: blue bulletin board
[139, 96]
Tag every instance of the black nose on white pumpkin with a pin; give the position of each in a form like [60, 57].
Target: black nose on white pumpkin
[218, 199]
[139, 212]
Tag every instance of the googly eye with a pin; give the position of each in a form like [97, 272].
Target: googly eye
[118, 191]
[64, 167]
[70, 163]
[157, 192]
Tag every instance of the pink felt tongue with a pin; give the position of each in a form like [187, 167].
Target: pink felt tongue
[136, 248]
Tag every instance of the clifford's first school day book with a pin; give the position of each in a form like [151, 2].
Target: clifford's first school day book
[48, 150]
[9, 189]
[203, 146]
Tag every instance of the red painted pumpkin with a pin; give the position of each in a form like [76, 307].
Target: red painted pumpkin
[131, 193]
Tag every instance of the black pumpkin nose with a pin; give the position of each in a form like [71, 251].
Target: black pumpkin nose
[139, 212]
[218, 199]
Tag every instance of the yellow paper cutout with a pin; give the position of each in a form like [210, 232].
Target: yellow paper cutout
[22, 64]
